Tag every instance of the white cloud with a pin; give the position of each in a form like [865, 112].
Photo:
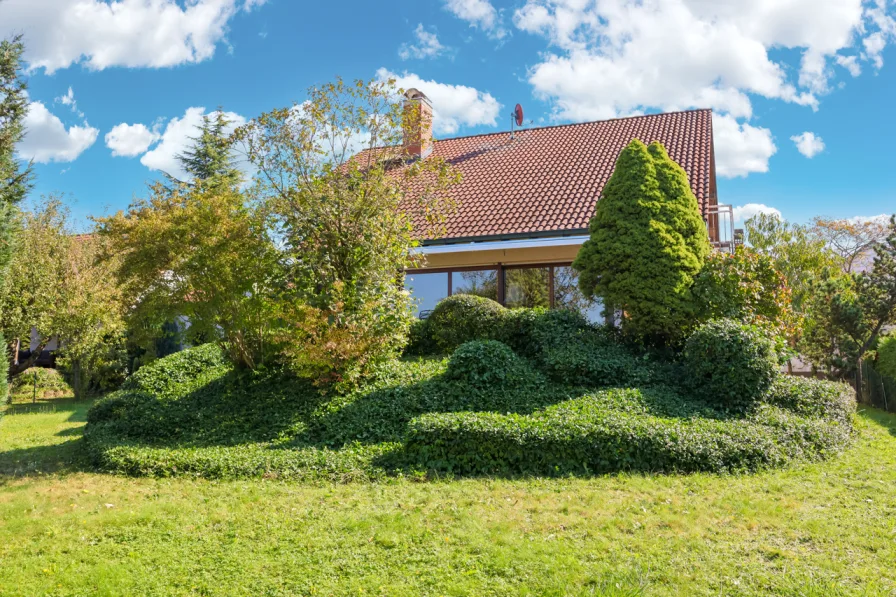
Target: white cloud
[131, 33]
[878, 219]
[741, 149]
[851, 64]
[426, 46]
[177, 138]
[68, 99]
[47, 140]
[453, 106]
[619, 57]
[129, 140]
[742, 213]
[808, 144]
[479, 13]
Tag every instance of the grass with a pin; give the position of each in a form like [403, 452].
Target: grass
[818, 529]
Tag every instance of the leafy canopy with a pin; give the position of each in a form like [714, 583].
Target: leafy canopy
[344, 220]
[648, 242]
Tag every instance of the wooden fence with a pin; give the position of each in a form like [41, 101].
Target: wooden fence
[877, 390]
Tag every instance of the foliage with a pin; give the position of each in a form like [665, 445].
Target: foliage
[46, 382]
[192, 414]
[15, 180]
[813, 397]
[210, 157]
[169, 376]
[729, 364]
[484, 364]
[886, 356]
[201, 253]
[345, 221]
[851, 310]
[619, 430]
[420, 340]
[745, 286]
[797, 251]
[463, 317]
[57, 286]
[648, 242]
[852, 241]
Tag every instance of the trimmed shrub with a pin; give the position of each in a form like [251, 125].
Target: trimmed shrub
[484, 363]
[462, 318]
[886, 356]
[585, 360]
[813, 397]
[163, 377]
[420, 341]
[729, 364]
[590, 435]
[50, 383]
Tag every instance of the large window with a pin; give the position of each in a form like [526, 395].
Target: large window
[527, 287]
[555, 287]
[568, 296]
[480, 283]
[427, 289]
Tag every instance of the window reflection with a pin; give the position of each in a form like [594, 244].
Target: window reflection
[568, 296]
[479, 283]
[427, 289]
[527, 287]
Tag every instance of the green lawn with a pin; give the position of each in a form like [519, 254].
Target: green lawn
[823, 529]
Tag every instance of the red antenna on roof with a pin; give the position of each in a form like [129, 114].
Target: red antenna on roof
[516, 118]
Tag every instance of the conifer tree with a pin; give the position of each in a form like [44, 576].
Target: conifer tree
[211, 156]
[648, 242]
[14, 178]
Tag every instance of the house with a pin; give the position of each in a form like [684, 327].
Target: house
[525, 200]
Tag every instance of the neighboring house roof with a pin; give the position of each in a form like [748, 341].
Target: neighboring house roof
[546, 181]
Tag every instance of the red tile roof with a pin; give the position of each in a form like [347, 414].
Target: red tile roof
[548, 180]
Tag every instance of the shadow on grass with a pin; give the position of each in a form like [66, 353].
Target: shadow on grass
[66, 457]
[879, 417]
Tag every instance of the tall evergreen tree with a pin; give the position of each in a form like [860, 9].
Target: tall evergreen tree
[648, 242]
[15, 180]
[211, 155]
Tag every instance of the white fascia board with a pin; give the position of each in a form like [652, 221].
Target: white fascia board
[500, 245]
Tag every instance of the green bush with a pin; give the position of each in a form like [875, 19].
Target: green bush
[50, 382]
[886, 356]
[729, 364]
[813, 397]
[163, 377]
[420, 340]
[484, 363]
[590, 435]
[462, 318]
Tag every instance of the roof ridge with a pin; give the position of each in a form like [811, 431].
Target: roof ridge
[569, 124]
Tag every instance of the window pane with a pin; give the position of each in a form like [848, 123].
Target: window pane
[481, 283]
[527, 287]
[568, 296]
[427, 289]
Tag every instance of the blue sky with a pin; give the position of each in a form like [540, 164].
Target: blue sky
[802, 89]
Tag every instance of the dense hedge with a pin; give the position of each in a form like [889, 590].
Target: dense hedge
[462, 318]
[886, 356]
[484, 364]
[164, 377]
[418, 416]
[730, 364]
[588, 435]
[49, 382]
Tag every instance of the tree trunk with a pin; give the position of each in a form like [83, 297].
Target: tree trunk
[20, 367]
[859, 396]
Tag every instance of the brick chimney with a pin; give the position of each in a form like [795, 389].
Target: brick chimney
[418, 124]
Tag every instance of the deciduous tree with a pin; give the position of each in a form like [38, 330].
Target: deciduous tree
[347, 235]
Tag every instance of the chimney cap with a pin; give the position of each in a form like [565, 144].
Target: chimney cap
[416, 94]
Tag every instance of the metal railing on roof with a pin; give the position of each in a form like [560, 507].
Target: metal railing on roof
[723, 236]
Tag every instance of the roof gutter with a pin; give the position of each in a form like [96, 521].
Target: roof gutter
[504, 237]
[500, 245]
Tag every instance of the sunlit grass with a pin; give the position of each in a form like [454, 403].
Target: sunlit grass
[822, 529]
